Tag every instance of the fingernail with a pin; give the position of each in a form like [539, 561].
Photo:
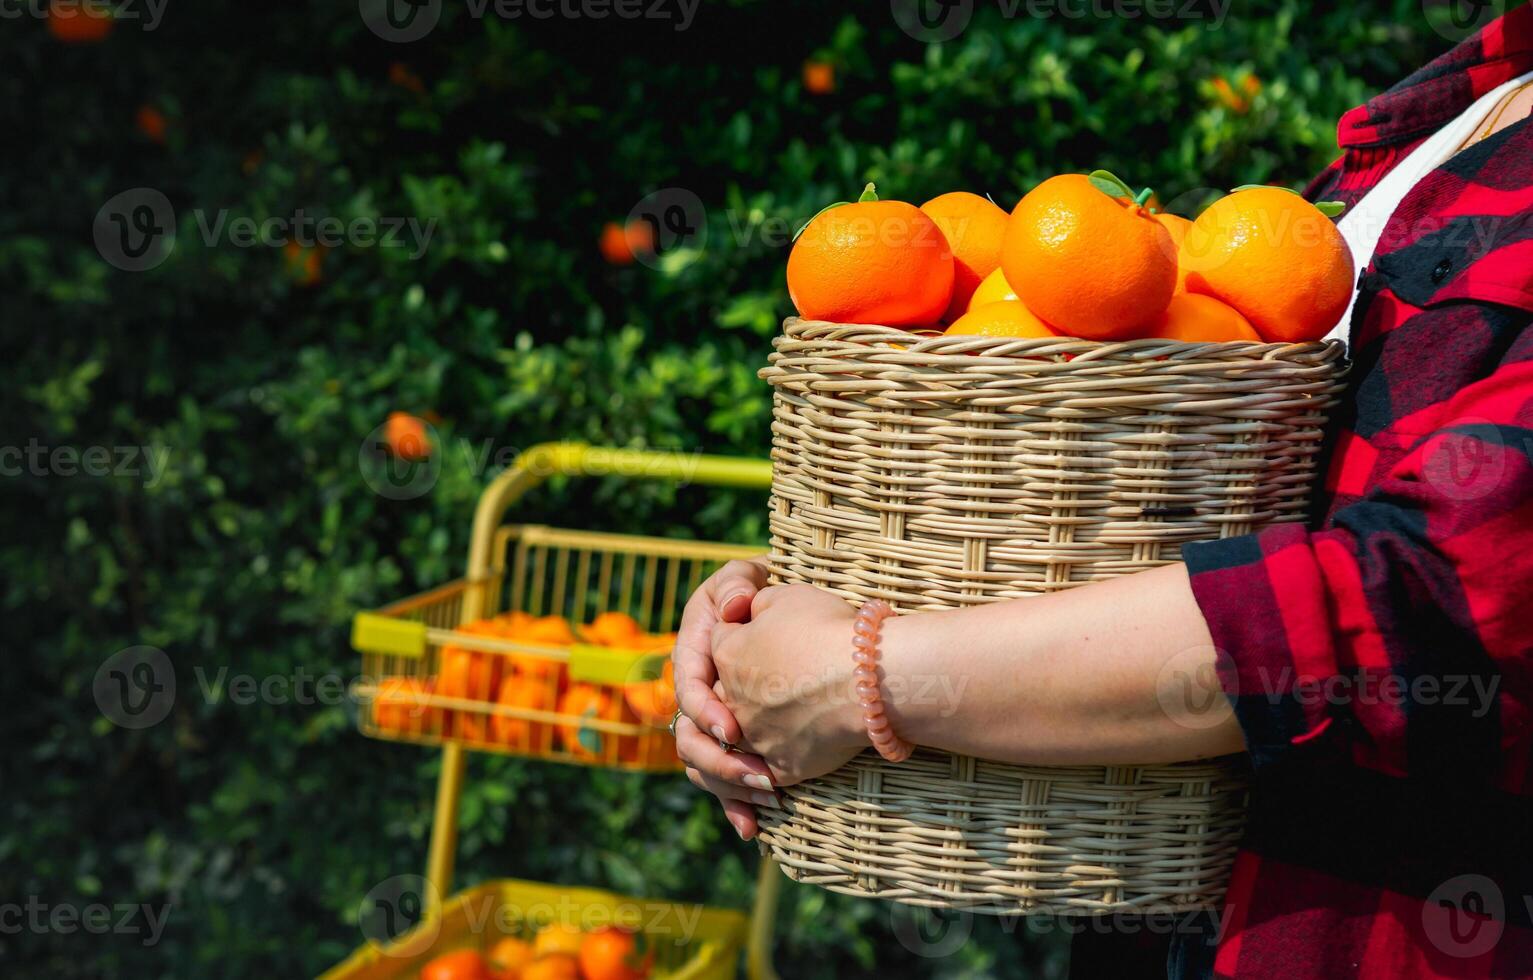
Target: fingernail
[718, 733]
[766, 799]
[724, 606]
[739, 830]
[757, 781]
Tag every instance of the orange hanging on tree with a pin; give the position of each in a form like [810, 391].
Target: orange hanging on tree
[819, 77]
[78, 23]
[622, 244]
[151, 122]
[406, 437]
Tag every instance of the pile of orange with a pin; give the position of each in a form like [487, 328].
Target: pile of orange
[1079, 256]
[558, 951]
[533, 683]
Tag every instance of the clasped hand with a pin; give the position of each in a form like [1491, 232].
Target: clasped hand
[766, 670]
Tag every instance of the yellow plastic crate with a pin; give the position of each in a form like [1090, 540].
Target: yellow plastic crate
[690, 942]
[542, 571]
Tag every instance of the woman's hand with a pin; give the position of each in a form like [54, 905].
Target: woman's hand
[737, 779]
[787, 677]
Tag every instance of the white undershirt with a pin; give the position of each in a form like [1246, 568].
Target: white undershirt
[1363, 223]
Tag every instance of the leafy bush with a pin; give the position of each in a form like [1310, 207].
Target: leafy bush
[261, 825]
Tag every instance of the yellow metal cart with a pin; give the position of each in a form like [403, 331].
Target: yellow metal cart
[482, 664]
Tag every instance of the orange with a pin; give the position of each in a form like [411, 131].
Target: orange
[1177, 227]
[151, 122]
[521, 692]
[557, 938]
[1274, 257]
[614, 629]
[462, 964]
[76, 23]
[396, 708]
[1089, 264]
[974, 228]
[473, 676]
[1008, 318]
[585, 701]
[1240, 102]
[613, 954]
[304, 262]
[1195, 318]
[509, 957]
[550, 631]
[653, 701]
[558, 966]
[405, 435]
[993, 289]
[621, 244]
[401, 74]
[819, 77]
[878, 262]
[513, 625]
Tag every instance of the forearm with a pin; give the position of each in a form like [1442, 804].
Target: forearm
[1094, 675]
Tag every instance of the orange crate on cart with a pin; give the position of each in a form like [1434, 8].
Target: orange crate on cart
[554, 646]
[688, 942]
[560, 653]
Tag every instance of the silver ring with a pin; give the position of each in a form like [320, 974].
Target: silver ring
[674, 719]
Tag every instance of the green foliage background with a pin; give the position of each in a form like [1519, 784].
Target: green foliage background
[263, 825]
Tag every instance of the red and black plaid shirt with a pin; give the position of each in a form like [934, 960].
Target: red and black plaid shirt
[1381, 663]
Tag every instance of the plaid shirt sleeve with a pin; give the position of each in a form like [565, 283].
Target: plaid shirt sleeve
[1384, 634]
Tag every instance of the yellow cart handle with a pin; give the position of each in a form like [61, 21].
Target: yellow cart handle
[531, 469]
[548, 459]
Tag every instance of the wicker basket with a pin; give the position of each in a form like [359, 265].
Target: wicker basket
[948, 471]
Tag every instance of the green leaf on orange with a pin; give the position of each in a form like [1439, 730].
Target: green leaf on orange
[869, 193]
[1109, 183]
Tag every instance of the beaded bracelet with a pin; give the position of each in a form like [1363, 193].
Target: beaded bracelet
[865, 653]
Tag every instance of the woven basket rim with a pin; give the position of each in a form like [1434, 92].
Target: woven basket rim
[902, 341]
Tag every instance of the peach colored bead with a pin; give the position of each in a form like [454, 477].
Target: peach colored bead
[865, 630]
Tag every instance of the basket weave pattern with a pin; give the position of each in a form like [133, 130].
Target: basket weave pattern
[946, 471]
